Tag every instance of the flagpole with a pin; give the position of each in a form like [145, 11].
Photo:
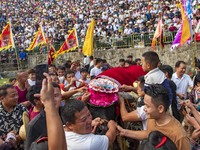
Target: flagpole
[13, 44]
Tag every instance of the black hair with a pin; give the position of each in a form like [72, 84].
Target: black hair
[104, 60]
[7, 146]
[128, 61]
[31, 71]
[52, 65]
[53, 74]
[154, 139]
[91, 57]
[3, 89]
[159, 94]
[151, 58]
[98, 60]
[197, 79]
[60, 68]
[83, 70]
[122, 60]
[168, 69]
[178, 63]
[137, 59]
[30, 94]
[71, 107]
[12, 79]
[67, 65]
[142, 81]
[69, 72]
[129, 56]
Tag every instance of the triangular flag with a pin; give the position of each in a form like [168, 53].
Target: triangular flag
[6, 39]
[70, 44]
[38, 40]
[51, 54]
[197, 32]
[157, 34]
[88, 43]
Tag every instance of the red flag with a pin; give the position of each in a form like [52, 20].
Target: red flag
[50, 55]
[197, 32]
[71, 43]
[39, 39]
[6, 39]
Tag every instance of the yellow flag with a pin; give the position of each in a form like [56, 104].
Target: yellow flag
[88, 43]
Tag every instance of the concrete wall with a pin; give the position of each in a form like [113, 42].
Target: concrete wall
[167, 56]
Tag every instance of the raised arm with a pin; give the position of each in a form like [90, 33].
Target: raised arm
[56, 137]
[125, 115]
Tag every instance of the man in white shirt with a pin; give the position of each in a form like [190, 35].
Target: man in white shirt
[182, 81]
[79, 128]
[97, 68]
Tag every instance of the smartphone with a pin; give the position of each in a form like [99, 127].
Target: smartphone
[40, 69]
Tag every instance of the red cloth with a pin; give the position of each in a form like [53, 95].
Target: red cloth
[124, 75]
[21, 94]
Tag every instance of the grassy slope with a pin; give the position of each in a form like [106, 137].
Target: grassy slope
[3, 81]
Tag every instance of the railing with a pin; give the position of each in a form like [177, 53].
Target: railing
[134, 40]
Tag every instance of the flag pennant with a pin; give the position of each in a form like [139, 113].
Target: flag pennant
[6, 38]
[158, 33]
[88, 43]
[184, 34]
[197, 32]
[38, 40]
[70, 44]
[51, 54]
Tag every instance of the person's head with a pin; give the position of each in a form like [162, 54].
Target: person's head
[22, 77]
[197, 80]
[99, 62]
[167, 70]
[77, 117]
[52, 68]
[67, 66]
[30, 96]
[130, 58]
[140, 86]
[54, 77]
[9, 96]
[32, 74]
[57, 95]
[180, 67]
[150, 61]
[60, 71]
[157, 141]
[12, 81]
[156, 100]
[91, 58]
[84, 73]
[122, 63]
[138, 61]
[128, 63]
[69, 75]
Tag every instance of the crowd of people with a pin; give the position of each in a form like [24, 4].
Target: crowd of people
[57, 114]
[113, 18]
